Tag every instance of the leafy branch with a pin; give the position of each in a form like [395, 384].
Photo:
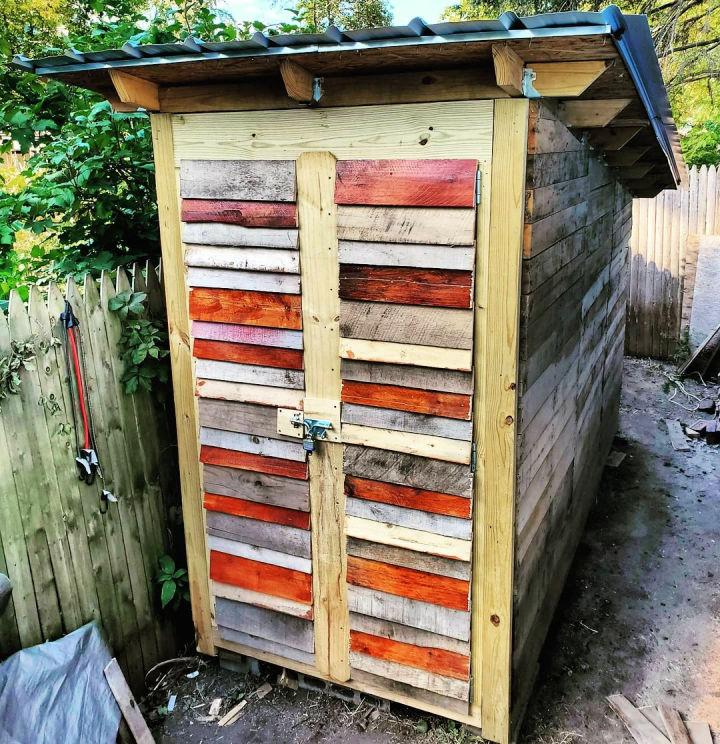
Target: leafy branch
[173, 583]
[21, 356]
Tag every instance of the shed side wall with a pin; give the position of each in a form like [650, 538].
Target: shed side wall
[577, 229]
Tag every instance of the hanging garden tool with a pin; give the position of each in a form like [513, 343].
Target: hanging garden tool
[87, 461]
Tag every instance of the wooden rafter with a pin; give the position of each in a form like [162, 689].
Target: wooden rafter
[508, 69]
[613, 138]
[635, 171]
[136, 91]
[591, 113]
[300, 83]
[566, 79]
[626, 156]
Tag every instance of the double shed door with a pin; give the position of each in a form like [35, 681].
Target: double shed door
[342, 289]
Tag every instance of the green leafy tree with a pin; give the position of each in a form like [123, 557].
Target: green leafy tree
[701, 145]
[317, 15]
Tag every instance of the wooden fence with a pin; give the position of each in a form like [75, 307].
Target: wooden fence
[68, 562]
[664, 248]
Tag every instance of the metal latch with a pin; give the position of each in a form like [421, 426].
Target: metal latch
[313, 429]
[528, 78]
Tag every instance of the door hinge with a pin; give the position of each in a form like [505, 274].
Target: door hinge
[473, 457]
[478, 186]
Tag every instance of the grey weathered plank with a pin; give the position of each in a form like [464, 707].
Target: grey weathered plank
[253, 374]
[408, 470]
[412, 518]
[273, 626]
[243, 334]
[261, 644]
[243, 259]
[256, 281]
[278, 537]
[412, 612]
[262, 555]
[232, 440]
[215, 233]
[248, 418]
[408, 558]
[407, 225]
[416, 255]
[405, 634]
[265, 489]
[253, 180]
[426, 326]
[405, 375]
[417, 423]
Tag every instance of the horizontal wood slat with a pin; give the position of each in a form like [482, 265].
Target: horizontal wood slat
[249, 645]
[278, 537]
[406, 582]
[247, 418]
[397, 254]
[406, 225]
[218, 234]
[246, 213]
[436, 660]
[243, 259]
[416, 423]
[254, 510]
[262, 356]
[256, 180]
[255, 281]
[268, 601]
[257, 553]
[410, 498]
[271, 309]
[392, 353]
[429, 183]
[407, 376]
[250, 373]
[250, 393]
[407, 286]
[241, 442]
[243, 334]
[428, 402]
[256, 463]
[261, 577]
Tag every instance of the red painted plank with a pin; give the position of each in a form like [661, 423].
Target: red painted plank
[255, 510]
[406, 286]
[410, 498]
[452, 405]
[263, 356]
[254, 463]
[271, 309]
[435, 660]
[407, 582]
[261, 577]
[246, 213]
[406, 183]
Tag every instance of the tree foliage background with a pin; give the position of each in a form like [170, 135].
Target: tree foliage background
[84, 198]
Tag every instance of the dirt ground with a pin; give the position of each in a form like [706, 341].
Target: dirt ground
[640, 615]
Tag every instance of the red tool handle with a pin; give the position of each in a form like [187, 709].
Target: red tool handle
[80, 386]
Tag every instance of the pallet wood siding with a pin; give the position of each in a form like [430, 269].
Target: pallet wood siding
[70, 563]
[240, 224]
[577, 231]
[409, 533]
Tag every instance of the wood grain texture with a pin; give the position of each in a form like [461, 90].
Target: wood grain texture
[261, 577]
[438, 448]
[423, 326]
[242, 334]
[255, 281]
[255, 180]
[416, 423]
[241, 442]
[636, 723]
[263, 623]
[247, 418]
[254, 510]
[408, 538]
[410, 612]
[271, 309]
[233, 212]
[255, 463]
[243, 259]
[218, 234]
[257, 553]
[264, 489]
[674, 725]
[268, 601]
[408, 470]
[252, 374]
[406, 286]
[262, 356]
[410, 183]
[406, 225]
[277, 537]
[250, 393]
[440, 257]
[405, 375]
[423, 356]
[409, 498]
[254, 647]
[436, 660]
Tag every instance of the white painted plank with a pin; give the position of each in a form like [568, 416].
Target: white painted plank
[243, 259]
[407, 254]
[249, 373]
[256, 553]
[256, 281]
[393, 353]
[268, 601]
[217, 233]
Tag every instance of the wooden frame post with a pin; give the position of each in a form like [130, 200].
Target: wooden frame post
[182, 375]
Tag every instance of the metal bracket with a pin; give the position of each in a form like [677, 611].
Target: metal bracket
[313, 429]
[528, 89]
[478, 186]
[316, 90]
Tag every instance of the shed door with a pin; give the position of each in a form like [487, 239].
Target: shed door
[338, 291]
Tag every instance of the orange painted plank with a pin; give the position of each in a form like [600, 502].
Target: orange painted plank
[261, 577]
[406, 183]
[263, 356]
[410, 498]
[271, 309]
[451, 405]
[406, 286]
[255, 463]
[407, 582]
[255, 510]
[435, 660]
[246, 213]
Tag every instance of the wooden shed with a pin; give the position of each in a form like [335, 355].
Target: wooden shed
[408, 245]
